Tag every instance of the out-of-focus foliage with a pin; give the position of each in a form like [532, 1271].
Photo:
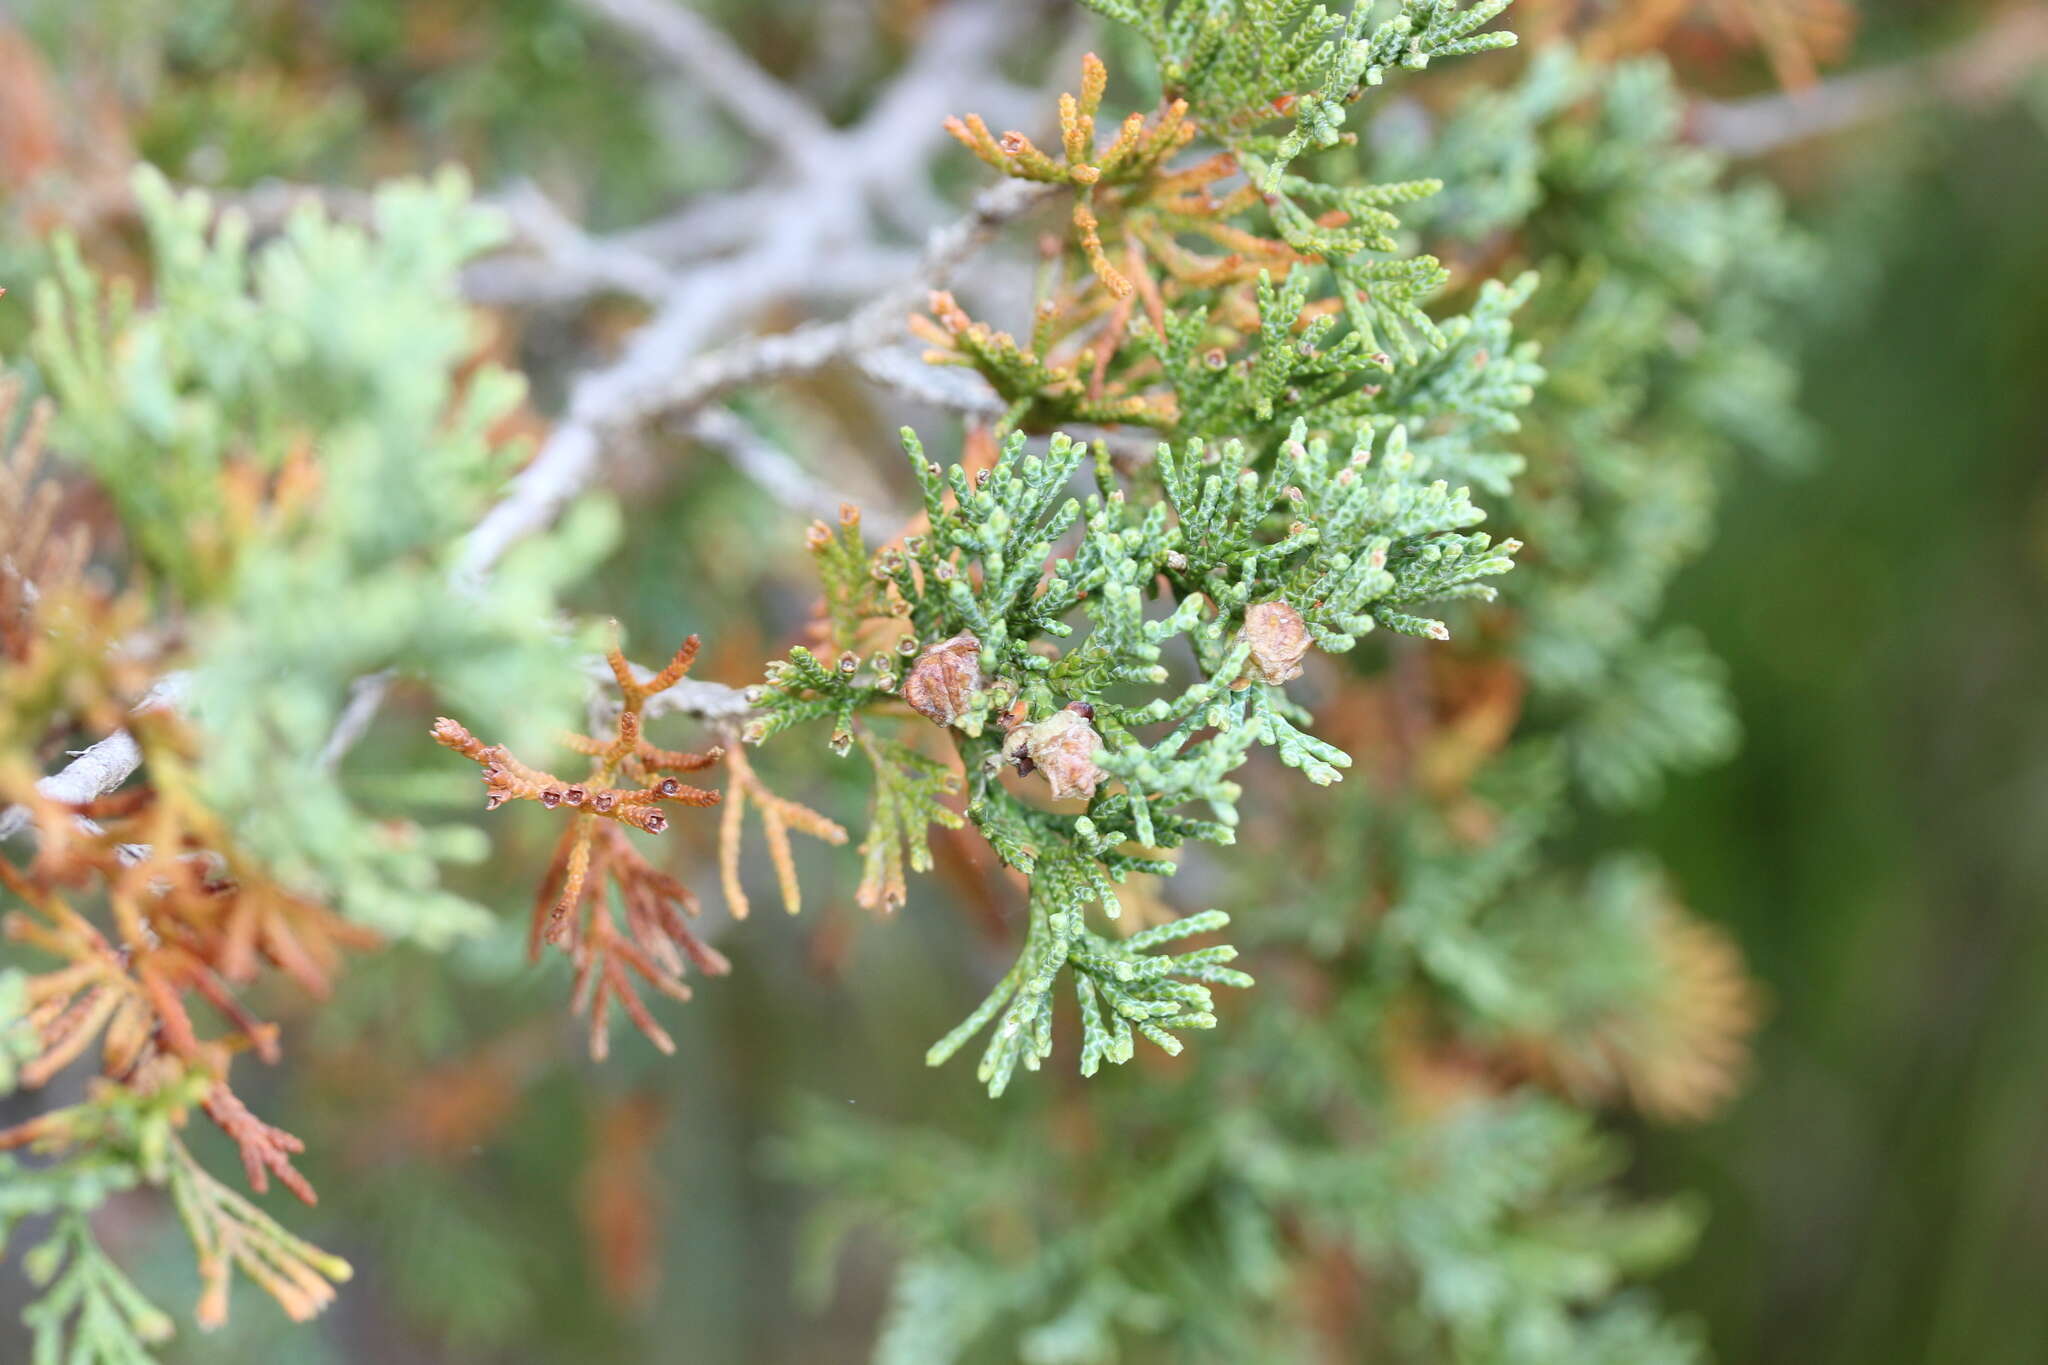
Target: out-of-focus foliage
[289, 430]
[293, 437]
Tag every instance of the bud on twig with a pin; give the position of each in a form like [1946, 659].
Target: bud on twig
[943, 678]
[1063, 747]
[1279, 641]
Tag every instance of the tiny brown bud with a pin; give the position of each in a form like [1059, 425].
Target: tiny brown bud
[1063, 747]
[643, 817]
[452, 734]
[668, 786]
[944, 676]
[604, 801]
[574, 796]
[1279, 641]
[550, 797]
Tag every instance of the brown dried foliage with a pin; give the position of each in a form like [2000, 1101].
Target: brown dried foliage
[779, 815]
[1145, 236]
[1133, 158]
[618, 1200]
[1681, 1051]
[653, 940]
[186, 922]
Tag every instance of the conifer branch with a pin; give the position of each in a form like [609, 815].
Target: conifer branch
[99, 768]
[715, 64]
[1269, 439]
[765, 464]
[654, 379]
[575, 263]
[806, 222]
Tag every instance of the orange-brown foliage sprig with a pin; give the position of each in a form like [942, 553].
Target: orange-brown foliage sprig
[1139, 226]
[571, 908]
[1127, 191]
[186, 922]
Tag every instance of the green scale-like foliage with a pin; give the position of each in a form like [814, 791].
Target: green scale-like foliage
[1325, 457]
[1160, 572]
[1245, 65]
[1486, 1231]
[88, 1311]
[1342, 337]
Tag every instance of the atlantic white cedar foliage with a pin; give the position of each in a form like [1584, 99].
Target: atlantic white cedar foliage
[1321, 334]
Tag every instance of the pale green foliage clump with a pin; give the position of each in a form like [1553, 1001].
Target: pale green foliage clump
[1174, 560]
[1292, 484]
[1239, 61]
[89, 1312]
[1119, 984]
[289, 431]
[1479, 1213]
[1469, 384]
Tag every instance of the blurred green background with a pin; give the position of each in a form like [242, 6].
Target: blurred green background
[1880, 846]
[1881, 1194]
